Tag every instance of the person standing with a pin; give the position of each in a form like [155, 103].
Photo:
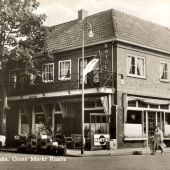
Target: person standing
[158, 140]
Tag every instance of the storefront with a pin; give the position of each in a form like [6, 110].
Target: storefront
[64, 117]
[142, 115]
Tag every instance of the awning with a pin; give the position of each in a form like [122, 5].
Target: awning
[149, 100]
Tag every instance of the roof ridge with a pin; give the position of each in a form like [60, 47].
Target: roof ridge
[114, 23]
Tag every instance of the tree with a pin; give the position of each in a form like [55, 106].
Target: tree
[22, 39]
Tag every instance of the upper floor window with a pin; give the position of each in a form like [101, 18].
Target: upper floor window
[48, 72]
[164, 71]
[64, 70]
[136, 66]
[91, 77]
[13, 81]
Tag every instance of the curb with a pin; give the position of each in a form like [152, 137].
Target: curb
[117, 153]
[110, 154]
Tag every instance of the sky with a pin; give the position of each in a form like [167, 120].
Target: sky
[60, 11]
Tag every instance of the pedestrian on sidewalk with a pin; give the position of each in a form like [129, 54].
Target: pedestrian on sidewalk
[151, 141]
[158, 140]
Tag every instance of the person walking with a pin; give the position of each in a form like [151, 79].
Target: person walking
[158, 140]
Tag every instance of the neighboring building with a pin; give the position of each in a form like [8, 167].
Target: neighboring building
[132, 74]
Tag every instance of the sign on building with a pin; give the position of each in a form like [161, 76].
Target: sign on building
[101, 139]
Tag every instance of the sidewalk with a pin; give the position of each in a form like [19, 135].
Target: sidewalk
[97, 153]
[113, 152]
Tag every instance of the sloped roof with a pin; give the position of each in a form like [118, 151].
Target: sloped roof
[107, 25]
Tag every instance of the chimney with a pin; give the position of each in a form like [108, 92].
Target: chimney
[82, 14]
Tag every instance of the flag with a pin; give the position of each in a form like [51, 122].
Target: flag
[90, 66]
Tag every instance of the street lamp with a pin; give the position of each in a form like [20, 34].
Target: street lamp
[90, 34]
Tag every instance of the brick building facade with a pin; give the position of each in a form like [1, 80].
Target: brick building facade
[132, 73]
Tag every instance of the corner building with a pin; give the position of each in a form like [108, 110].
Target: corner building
[132, 74]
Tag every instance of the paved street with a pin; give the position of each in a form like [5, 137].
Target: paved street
[12, 161]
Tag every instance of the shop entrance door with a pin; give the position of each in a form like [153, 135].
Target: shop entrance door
[151, 123]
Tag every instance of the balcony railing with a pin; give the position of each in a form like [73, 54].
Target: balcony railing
[94, 79]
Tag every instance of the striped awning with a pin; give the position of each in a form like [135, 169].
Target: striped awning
[149, 100]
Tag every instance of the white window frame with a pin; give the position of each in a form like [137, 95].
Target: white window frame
[43, 77]
[136, 59]
[13, 81]
[164, 80]
[63, 78]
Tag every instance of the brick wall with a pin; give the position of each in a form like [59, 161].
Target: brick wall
[150, 86]
[74, 56]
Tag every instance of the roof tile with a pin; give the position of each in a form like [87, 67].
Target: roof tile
[106, 25]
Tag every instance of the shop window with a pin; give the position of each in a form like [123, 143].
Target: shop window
[142, 104]
[99, 123]
[135, 66]
[38, 109]
[154, 106]
[24, 119]
[164, 106]
[89, 104]
[99, 103]
[40, 119]
[58, 127]
[93, 119]
[22, 109]
[48, 72]
[86, 116]
[164, 71]
[134, 117]
[132, 103]
[167, 119]
[40, 123]
[64, 70]
[24, 125]
[57, 107]
[167, 125]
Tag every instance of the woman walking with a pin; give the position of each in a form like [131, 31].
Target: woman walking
[158, 140]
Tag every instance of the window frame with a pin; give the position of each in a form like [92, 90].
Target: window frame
[80, 71]
[13, 80]
[59, 69]
[43, 72]
[164, 80]
[136, 59]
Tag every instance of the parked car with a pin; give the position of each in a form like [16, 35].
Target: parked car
[44, 144]
[2, 141]
[59, 144]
